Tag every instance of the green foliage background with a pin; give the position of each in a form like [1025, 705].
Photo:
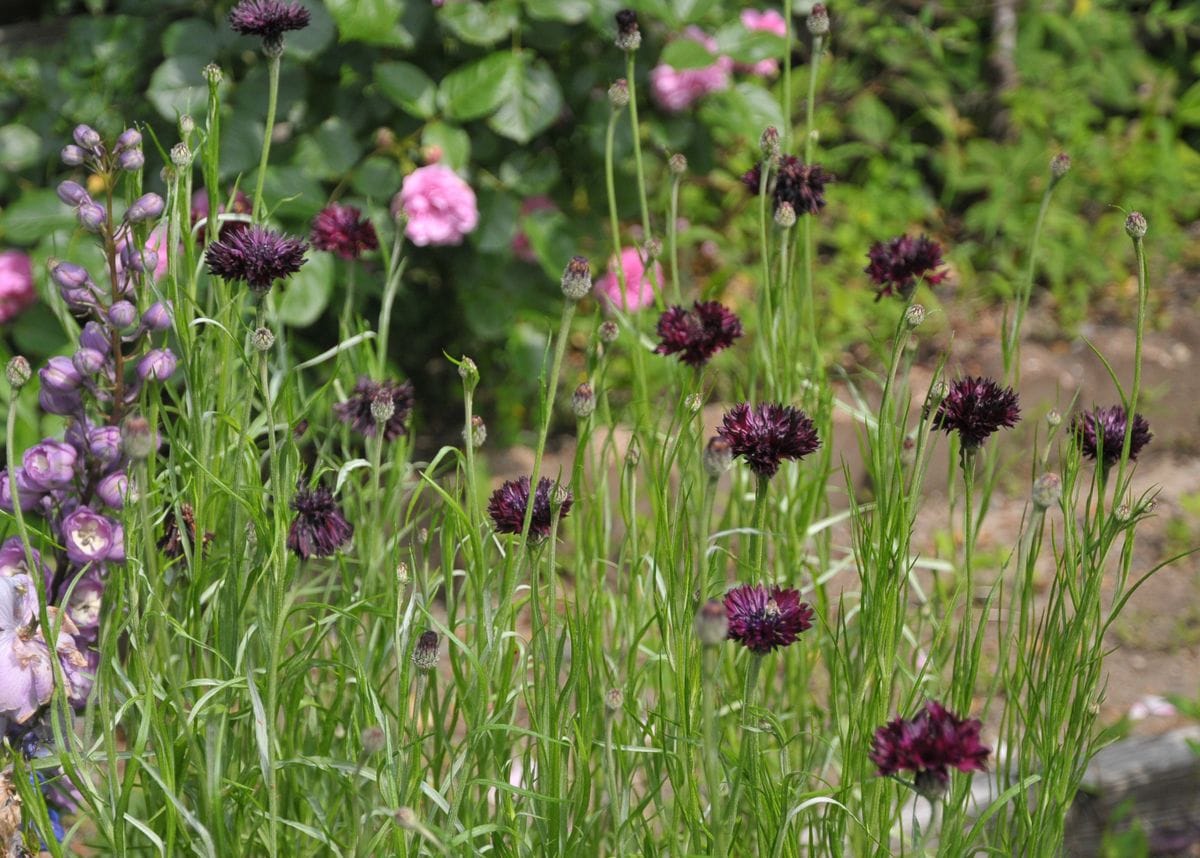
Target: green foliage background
[512, 93]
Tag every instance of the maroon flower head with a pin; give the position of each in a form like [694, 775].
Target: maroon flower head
[697, 334]
[896, 265]
[508, 503]
[752, 179]
[802, 185]
[1101, 434]
[319, 528]
[356, 410]
[762, 620]
[343, 230]
[767, 434]
[257, 255]
[268, 19]
[975, 408]
[929, 745]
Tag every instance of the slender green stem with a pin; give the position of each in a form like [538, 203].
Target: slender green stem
[272, 101]
[1012, 345]
[758, 553]
[712, 778]
[395, 275]
[1135, 390]
[787, 75]
[635, 132]
[672, 239]
[749, 754]
[611, 188]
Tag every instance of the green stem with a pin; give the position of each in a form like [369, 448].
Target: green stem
[672, 243]
[1135, 391]
[395, 275]
[746, 764]
[787, 75]
[611, 188]
[272, 101]
[758, 552]
[637, 148]
[1012, 347]
[709, 663]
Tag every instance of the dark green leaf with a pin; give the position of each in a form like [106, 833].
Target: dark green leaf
[453, 142]
[686, 54]
[478, 89]
[34, 214]
[376, 22]
[749, 46]
[567, 11]
[177, 86]
[479, 24]
[533, 104]
[329, 151]
[307, 292]
[530, 173]
[20, 147]
[408, 88]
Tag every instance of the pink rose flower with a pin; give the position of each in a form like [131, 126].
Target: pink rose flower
[676, 90]
[439, 205]
[520, 243]
[17, 293]
[639, 289]
[767, 21]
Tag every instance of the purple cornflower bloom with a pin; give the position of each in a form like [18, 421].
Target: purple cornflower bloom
[975, 408]
[896, 265]
[799, 184]
[256, 255]
[343, 230]
[767, 434]
[319, 528]
[356, 410]
[91, 538]
[697, 334]
[268, 19]
[508, 503]
[763, 620]
[1101, 434]
[929, 745]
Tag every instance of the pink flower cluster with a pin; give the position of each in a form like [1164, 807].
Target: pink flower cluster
[639, 288]
[17, 292]
[678, 89]
[439, 205]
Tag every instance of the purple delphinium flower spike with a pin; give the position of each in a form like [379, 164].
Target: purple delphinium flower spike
[1100, 434]
[256, 255]
[356, 410]
[508, 503]
[319, 528]
[343, 230]
[696, 335]
[895, 266]
[975, 408]
[763, 620]
[767, 434]
[91, 538]
[49, 465]
[929, 745]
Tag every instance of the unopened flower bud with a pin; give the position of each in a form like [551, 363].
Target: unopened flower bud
[1047, 491]
[406, 818]
[181, 155]
[1060, 165]
[718, 456]
[372, 739]
[131, 160]
[262, 339]
[608, 332]
[86, 137]
[130, 138]
[423, 536]
[212, 73]
[186, 124]
[577, 278]
[818, 20]
[478, 434]
[677, 164]
[72, 155]
[73, 193]
[468, 372]
[712, 623]
[618, 93]
[89, 361]
[652, 249]
[614, 700]
[425, 653]
[91, 216]
[1135, 225]
[914, 315]
[157, 316]
[583, 401]
[693, 403]
[629, 38]
[18, 372]
[768, 142]
[144, 208]
[157, 365]
[382, 406]
[137, 438]
[937, 392]
[402, 576]
[60, 375]
[785, 215]
[115, 490]
[1053, 419]
[122, 315]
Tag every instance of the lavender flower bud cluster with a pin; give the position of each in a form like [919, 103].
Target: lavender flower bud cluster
[78, 484]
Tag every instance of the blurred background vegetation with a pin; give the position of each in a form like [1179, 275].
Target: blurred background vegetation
[935, 116]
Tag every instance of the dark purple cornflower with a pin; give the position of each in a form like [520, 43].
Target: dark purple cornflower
[268, 19]
[343, 230]
[767, 434]
[356, 410]
[762, 620]
[257, 255]
[752, 179]
[697, 334]
[508, 503]
[319, 528]
[796, 183]
[929, 745]
[1101, 434]
[896, 265]
[975, 408]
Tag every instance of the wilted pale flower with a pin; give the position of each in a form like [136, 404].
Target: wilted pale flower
[763, 620]
[678, 89]
[929, 745]
[639, 288]
[425, 653]
[319, 528]
[26, 669]
[439, 206]
[17, 292]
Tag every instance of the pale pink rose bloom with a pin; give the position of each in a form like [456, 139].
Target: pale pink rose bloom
[1151, 705]
[677, 90]
[439, 205]
[520, 243]
[639, 289]
[17, 292]
[768, 21]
